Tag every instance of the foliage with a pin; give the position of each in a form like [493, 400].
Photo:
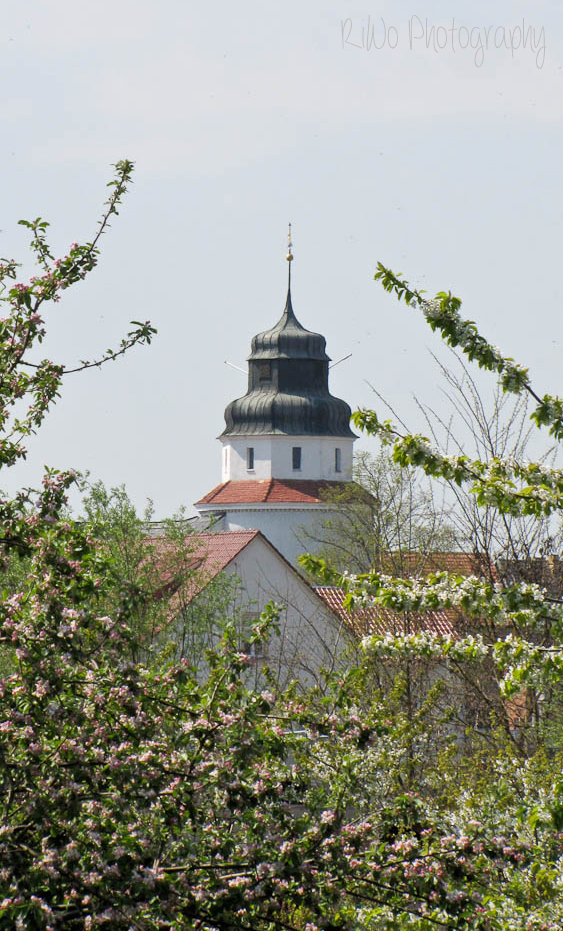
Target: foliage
[132, 798]
[139, 797]
[382, 515]
[507, 547]
[163, 567]
[29, 388]
[22, 326]
[514, 626]
[378, 521]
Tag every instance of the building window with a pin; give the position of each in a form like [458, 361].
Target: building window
[264, 372]
[255, 651]
[296, 457]
[250, 458]
[337, 460]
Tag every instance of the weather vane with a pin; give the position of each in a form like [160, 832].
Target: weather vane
[289, 255]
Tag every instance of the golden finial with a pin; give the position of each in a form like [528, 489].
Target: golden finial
[289, 255]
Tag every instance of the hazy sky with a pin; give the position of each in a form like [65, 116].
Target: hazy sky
[443, 162]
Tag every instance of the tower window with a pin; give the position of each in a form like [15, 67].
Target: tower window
[296, 457]
[337, 460]
[250, 458]
[264, 372]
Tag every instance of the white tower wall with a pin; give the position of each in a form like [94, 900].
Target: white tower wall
[292, 529]
[272, 457]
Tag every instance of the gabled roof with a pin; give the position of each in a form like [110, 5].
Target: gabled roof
[217, 550]
[274, 490]
[206, 556]
[208, 553]
[378, 620]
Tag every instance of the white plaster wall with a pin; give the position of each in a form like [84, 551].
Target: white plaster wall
[288, 528]
[311, 636]
[273, 457]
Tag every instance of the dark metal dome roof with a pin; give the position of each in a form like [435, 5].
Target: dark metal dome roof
[288, 339]
[288, 386]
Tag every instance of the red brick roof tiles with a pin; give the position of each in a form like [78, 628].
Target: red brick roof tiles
[418, 565]
[209, 553]
[378, 620]
[274, 490]
[218, 549]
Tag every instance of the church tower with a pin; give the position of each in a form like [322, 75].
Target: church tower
[286, 442]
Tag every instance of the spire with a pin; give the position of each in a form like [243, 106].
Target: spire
[288, 390]
[288, 314]
[289, 258]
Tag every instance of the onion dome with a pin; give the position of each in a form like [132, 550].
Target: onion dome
[288, 339]
[288, 385]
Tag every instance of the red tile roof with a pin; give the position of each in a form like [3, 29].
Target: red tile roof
[381, 620]
[217, 550]
[378, 620]
[417, 565]
[209, 553]
[276, 490]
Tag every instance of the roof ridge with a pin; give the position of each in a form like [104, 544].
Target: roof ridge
[224, 533]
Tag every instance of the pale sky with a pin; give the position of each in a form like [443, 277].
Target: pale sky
[442, 162]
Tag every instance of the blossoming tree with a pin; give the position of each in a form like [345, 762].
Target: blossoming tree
[523, 790]
[141, 798]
